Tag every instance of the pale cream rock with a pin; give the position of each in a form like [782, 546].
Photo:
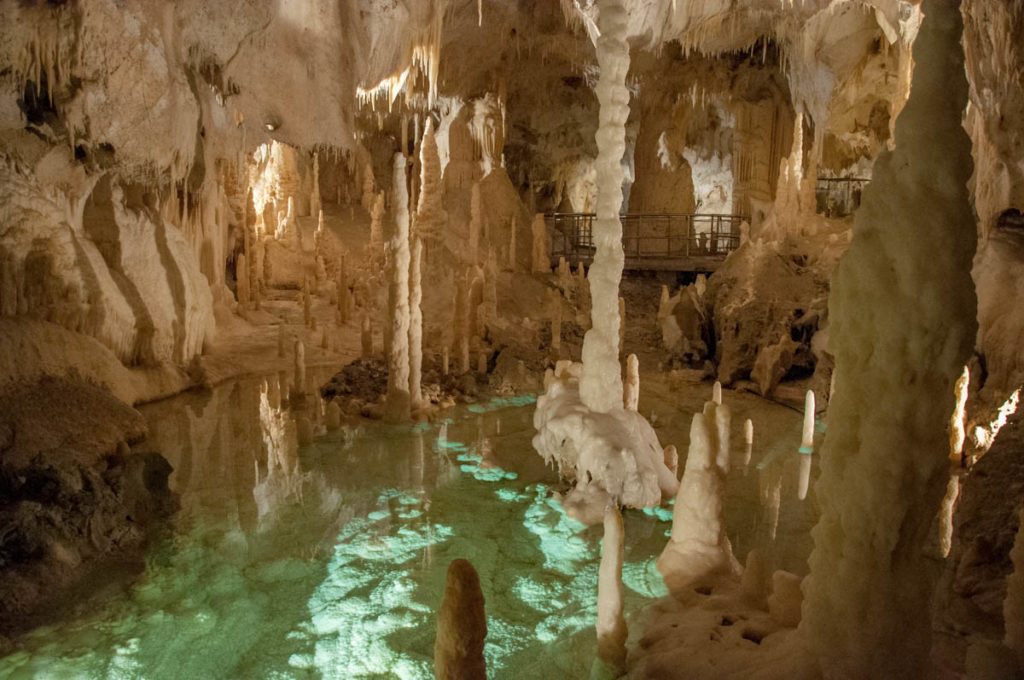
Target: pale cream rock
[398, 399]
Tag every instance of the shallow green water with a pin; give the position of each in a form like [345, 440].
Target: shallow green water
[331, 563]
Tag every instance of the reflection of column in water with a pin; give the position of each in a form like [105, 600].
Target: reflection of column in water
[771, 495]
[806, 446]
[748, 442]
[421, 460]
[497, 425]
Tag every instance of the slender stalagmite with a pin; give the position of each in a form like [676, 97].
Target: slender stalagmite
[806, 446]
[415, 325]
[366, 338]
[242, 279]
[475, 224]
[300, 370]
[541, 260]
[901, 326]
[632, 400]
[398, 402]
[343, 291]
[556, 322]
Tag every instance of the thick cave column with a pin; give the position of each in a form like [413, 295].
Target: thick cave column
[601, 382]
[398, 400]
[902, 311]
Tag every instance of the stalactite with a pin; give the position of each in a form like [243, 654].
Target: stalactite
[315, 202]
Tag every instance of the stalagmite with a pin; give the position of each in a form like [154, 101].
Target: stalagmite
[541, 259]
[242, 279]
[556, 322]
[671, 456]
[415, 325]
[901, 326]
[601, 382]
[748, 441]
[299, 389]
[699, 550]
[445, 358]
[318, 237]
[475, 224]
[307, 304]
[343, 294]
[461, 626]
[632, 387]
[716, 392]
[481, 362]
[332, 416]
[722, 417]
[369, 197]
[366, 338]
[786, 598]
[754, 578]
[611, 624]
[806, 446]
[398, 400]
[377, 227]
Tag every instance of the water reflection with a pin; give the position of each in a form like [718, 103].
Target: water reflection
[329, 560]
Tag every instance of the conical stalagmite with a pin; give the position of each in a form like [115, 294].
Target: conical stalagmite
[461, 626]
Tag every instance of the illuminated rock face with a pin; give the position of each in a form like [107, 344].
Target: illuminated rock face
[461, 627]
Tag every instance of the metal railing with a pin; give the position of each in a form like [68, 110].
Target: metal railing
[838, 196]
[647, 238]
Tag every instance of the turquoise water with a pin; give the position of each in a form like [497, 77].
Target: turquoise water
[329, 561]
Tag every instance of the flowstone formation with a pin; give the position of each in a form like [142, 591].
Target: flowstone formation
[902, 326]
